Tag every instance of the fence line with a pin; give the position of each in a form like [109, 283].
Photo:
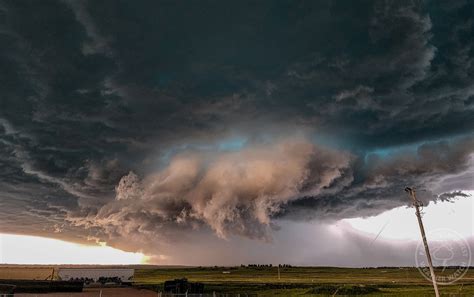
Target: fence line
[160, 294]
[55, 294]
[206, 295]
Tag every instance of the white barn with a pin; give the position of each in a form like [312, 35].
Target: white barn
[123, 275]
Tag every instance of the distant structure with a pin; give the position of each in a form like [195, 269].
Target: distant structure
[29, 273]
[181, 286]
[262, 266]
[97, 275]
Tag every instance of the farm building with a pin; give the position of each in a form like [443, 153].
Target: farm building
[26, 273]
[97, 275]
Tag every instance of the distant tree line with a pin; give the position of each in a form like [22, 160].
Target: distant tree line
[265, 265]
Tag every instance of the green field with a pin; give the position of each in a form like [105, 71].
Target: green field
[309, 281]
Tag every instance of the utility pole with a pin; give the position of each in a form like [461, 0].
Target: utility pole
[417, 204]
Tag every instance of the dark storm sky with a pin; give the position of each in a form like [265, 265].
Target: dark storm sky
[140, 122]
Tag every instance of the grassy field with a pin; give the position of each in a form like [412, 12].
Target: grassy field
[310, 281]
[294, 281]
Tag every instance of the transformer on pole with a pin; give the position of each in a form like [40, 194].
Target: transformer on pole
[417, 205]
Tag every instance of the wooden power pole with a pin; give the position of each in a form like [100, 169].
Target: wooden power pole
[417, 204]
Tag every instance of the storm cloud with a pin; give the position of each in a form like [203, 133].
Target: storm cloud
[231, 192]
[141, 123]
